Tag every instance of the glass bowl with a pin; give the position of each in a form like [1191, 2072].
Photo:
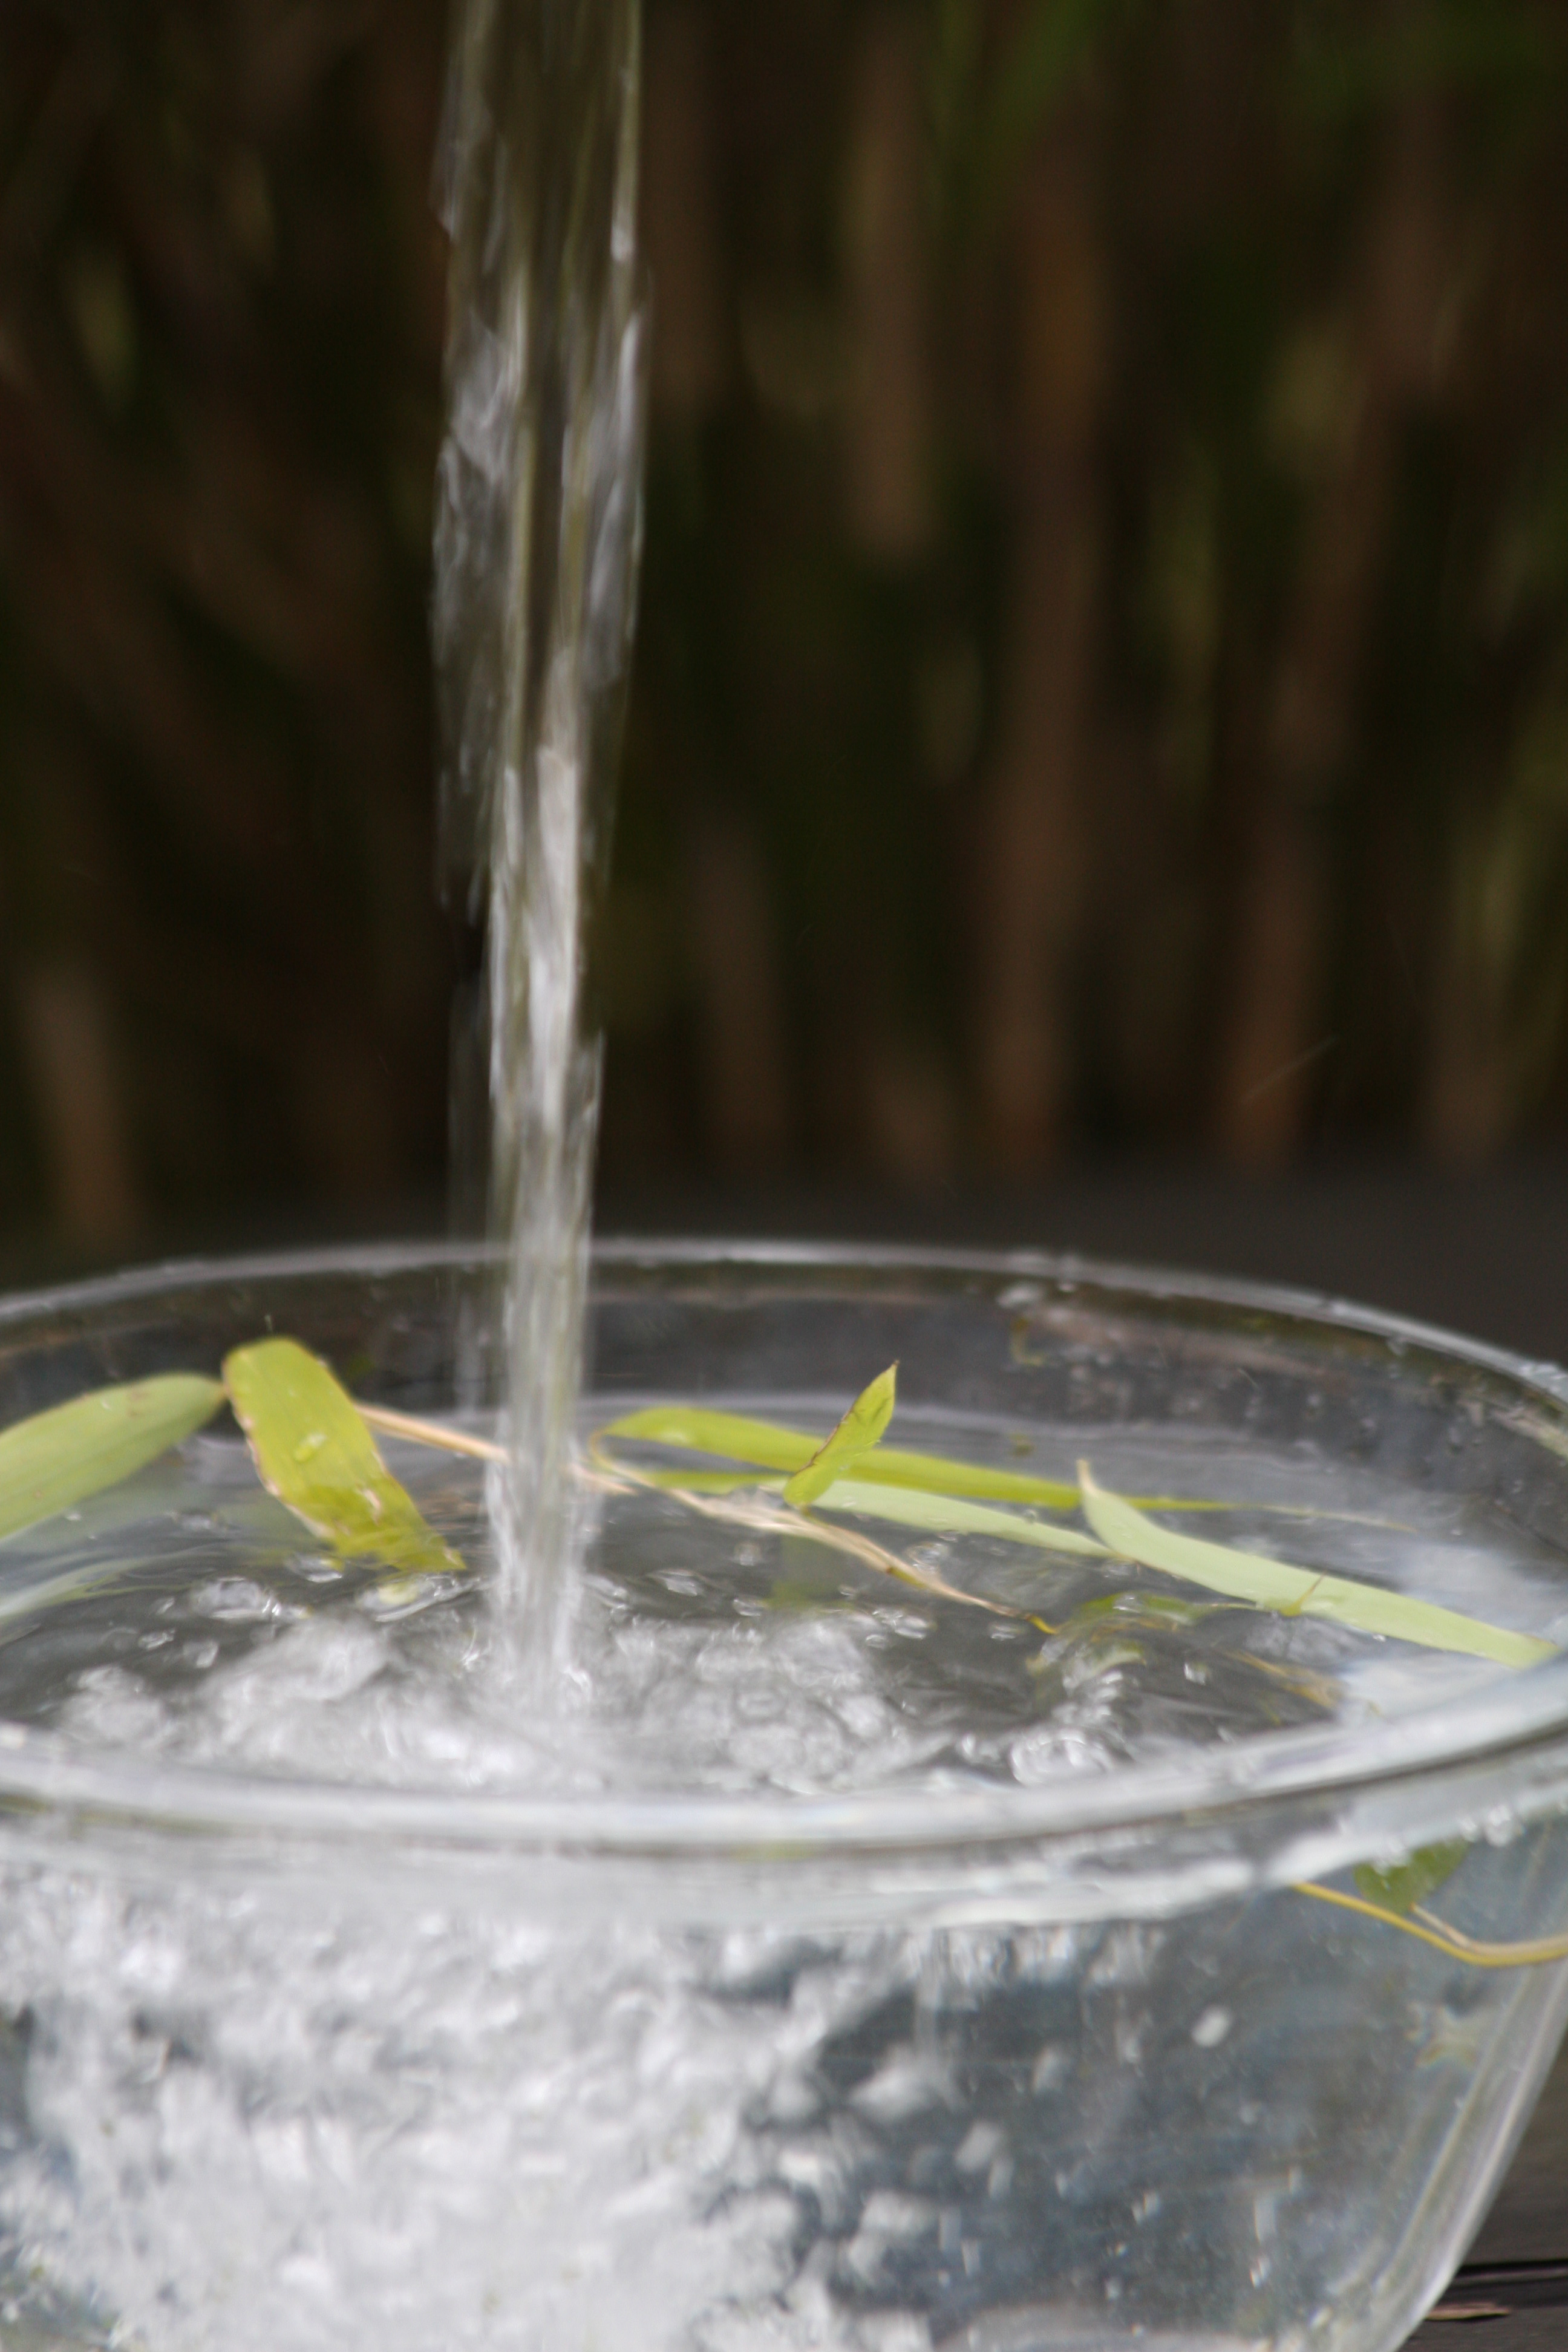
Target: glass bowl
[301, 2053]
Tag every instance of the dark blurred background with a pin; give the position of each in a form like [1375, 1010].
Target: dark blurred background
[1097, 765]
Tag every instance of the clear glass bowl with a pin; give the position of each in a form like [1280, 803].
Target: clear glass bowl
[298, 2058]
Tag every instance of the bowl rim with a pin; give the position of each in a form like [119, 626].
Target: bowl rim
[1505, 1717]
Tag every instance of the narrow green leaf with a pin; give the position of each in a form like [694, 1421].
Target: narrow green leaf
[735, 1438]
[861, 1429]
[932, 1474]
[1408, 1883]
[707, 1482]
[59, 1458]
[946, 1515]
[315, 1453]
[730, 1435]
[1297, 1591]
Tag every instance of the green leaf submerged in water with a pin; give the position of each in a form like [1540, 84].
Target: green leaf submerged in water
[1406, 1883]
[314, 1451]
[859, 1430]
[1266, 1583]
[60, 1458]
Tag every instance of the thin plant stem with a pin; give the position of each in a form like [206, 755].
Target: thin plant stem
[1451, 1941]
[429, 1432]
[416, 1432]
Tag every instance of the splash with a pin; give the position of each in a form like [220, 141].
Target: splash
[536, 543]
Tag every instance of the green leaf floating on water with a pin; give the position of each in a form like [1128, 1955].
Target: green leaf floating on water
[770, 1446]
[315, 1453]
[733, 1437]
[861, 1429]
[1406, 1883]
[730, 1435]
[59, 1458]
[1297, 1591]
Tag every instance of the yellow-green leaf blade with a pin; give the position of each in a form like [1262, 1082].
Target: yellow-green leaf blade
[1276, 1584]
[57, 1459]
[951, 1514]
[933, 1474]
[316, 1454]
[861, 1429]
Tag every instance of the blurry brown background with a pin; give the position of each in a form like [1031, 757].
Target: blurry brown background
[1102, 690]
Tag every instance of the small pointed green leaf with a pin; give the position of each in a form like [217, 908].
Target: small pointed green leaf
[1404, 1885]
[315, 1453]
[1297, 1591]
[861, 1429]
[59, 1458]
[947, 1515]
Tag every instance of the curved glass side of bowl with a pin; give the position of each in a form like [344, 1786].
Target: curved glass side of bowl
[922, 1976]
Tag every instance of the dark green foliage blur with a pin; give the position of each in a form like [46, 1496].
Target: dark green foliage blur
[224, 977]
[1103, 671]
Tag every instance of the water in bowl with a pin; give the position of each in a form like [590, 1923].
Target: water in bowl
[280, 2113]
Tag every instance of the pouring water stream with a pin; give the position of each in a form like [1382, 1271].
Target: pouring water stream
[537, 542]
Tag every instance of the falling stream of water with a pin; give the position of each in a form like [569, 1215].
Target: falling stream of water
[537, 540]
